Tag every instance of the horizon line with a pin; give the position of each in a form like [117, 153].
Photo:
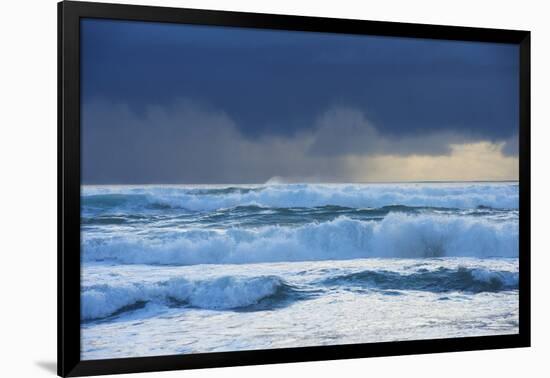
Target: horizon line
[305, 182]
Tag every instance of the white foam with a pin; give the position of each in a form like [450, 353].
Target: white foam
[397, 235]
[100, 301]
[469, 195]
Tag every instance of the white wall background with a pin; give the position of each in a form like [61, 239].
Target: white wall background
[28, 154]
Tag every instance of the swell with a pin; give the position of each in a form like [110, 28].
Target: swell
[461, 196]
[397, 235]
[254, 216]
[224, 293]
[440, 280]
[235, 293]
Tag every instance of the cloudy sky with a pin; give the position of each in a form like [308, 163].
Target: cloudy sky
[167, 103]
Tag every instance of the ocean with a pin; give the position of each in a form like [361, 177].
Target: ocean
[178, 269]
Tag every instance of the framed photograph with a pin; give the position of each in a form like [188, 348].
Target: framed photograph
[239, 188]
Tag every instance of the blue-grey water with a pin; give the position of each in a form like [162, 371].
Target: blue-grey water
[193, 269]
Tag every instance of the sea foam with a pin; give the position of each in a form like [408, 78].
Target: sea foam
[397, 235]
[100, 301]
[503, 195]
[241, 292]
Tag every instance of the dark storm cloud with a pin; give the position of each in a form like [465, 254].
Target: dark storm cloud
[189, 143]
[346, 131]
[328, 95]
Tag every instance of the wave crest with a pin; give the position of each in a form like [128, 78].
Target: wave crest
[397, 235]
[101, 301]
[441, 280]
[460, 196]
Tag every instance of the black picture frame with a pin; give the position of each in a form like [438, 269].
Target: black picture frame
[69, 15]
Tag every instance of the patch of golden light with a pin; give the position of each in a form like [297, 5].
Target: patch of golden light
[467, 162]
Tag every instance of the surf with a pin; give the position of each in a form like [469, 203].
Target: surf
[222, 293]
[396, 235]
[440, 280]
[210, 198]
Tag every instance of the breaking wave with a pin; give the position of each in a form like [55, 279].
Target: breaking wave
[460, 196]
[397, 235]
[249, 293]
[101, 301]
